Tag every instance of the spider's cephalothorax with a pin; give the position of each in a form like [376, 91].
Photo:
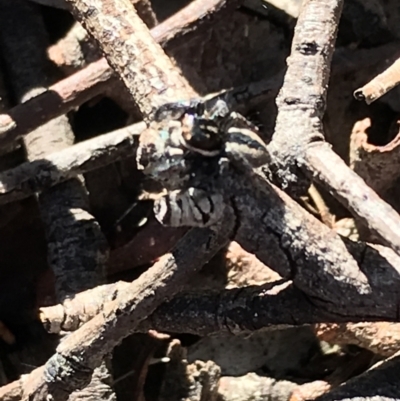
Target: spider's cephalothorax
[210, 129]
[193, 141]
[201, 124]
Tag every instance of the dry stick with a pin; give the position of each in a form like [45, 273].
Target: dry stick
[57, 100]
[238, 310]
[188, 19]
[74, 237]
[38, 175]
[320, 263]
[347, 281]
[84, 349]
[152, 80]
[146, 70]
[302, 99]
[80, 87]
[94, 79]
[380, 85]
[382, 338]
[351, 190]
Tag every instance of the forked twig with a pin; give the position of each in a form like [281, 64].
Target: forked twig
[303, 99]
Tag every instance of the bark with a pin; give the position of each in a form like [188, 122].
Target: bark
[303, 99]
[82, 351]
[141, 63]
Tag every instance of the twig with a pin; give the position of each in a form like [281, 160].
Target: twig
[57, 100]
[146, 70]
[351, 190]
[74, 237]
[380, 85]
[84, 349]
[94, 79]
[236, 310]
[382, 338]
[37, 175]
[302, 99]
[340, 281]
[74, 51]
[189, 19]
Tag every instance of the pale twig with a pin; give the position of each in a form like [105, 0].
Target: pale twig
[141, 63]
[57, 167]
[57, 100]
[302, 99]
[380, 85]
[30, 177]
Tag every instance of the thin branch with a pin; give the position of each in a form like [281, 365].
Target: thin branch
[94, 79]
[236, 310]
[146, 70]
[35, 176]
[382, 338]
[302, 99]
[189, 19]
[57, 100]
[30, 177]
[340, 281]
[380, 85]
[83, 350]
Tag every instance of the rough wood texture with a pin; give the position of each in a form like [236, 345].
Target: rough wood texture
[82, 351]
[57, 100]
[74, 237]
[147, 72]
[303, 99]
[94, 79]
[57, 167]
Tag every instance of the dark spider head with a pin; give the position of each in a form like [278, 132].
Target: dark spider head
[201, 135]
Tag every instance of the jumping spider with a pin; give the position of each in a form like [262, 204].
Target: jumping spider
[195, 141]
